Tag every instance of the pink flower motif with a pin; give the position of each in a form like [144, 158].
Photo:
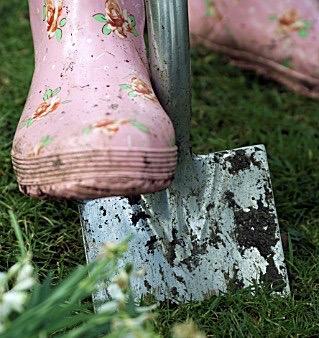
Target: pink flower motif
[52, 15]
[142, 88]
[290, 21]
[117, 18]
[47, 107]
[110, 127]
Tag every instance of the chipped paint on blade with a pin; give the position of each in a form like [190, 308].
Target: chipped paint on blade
[216, 228]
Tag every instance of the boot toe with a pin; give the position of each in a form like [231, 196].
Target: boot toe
[101, 158]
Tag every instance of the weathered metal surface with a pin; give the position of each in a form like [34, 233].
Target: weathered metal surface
[216, 227]
[170, 64]
[212, 230]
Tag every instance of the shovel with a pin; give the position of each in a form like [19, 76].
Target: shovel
[216, 227]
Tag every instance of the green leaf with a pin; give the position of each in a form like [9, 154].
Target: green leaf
[126, 86]
[304, 32]
[308, 24]
[29, 122]
[40, 292]
[47, 94]
[18, 233]
[58, 34]
[287, 62]
[106, 30]
[135, 32]
[87, 130]
[132, 21]
[273, 17]
[56, 91]
[62, 22]
[100, 17]
[210, 11]
[44, 12]
[26, 123]
[140, 126]
[132, 94]
[46, 140]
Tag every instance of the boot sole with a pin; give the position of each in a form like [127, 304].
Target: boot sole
[96, 173]
[294, 80]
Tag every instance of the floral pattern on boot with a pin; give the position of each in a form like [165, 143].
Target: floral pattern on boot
[212, 10]
[138, 87]
[116, 20]
[278, 39]
[51, 102]
[52, 16]
[290, 21]
[111, 127]
[43, 143]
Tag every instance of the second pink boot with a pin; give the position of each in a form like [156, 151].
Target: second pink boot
[92, 125]
[277, 38]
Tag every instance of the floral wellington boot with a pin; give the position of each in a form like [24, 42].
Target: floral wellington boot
[276, 38]
[92, 125]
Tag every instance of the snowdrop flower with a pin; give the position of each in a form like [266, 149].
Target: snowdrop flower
[122, 280]
[3, 282]
[21, 276]
[108, 307]
[187, 330]
[25, 284]
[111, 250]
[131, 324]
[116, 293]
[26, 272]
[3, 277]
[134, 323]
[12, 301]
[12, 272]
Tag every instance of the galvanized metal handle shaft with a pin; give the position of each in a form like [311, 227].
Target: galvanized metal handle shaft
[168, 33]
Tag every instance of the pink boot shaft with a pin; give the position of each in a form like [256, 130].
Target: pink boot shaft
[92, 125]
[277, 38]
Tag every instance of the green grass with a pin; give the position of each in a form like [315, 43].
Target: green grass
[231, 109]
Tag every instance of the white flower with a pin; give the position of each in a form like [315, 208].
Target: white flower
[24, 285]
[25, 273]
[14, 270]
[3, 282]
[187, 330]
[3, 277]
[116, 293]
[122, 280]
[132, 323]
[108, 307]
[12, 301]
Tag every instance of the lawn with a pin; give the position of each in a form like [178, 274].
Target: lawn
[231, 108]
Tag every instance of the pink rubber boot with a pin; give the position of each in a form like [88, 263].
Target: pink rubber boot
[92, 125]
[276, 38]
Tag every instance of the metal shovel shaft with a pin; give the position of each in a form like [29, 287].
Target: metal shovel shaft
[168, 33]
